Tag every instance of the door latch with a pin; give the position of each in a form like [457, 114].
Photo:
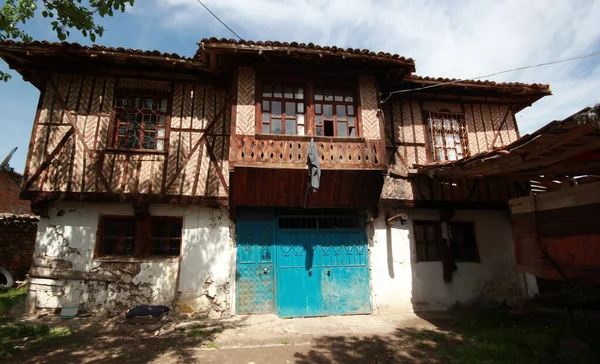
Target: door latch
[328, 271]
[266, 271]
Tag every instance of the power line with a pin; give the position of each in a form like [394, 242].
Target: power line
[216, 17]
[492, 74]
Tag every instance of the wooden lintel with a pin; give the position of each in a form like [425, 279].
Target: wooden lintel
[42, 197]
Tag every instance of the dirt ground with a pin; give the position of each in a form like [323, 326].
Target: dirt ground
[482, 337]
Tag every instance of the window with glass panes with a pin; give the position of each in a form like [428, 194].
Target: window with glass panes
[427, 240]
[335, 113]
[448, 136]
[140, 118]
[282, 109]
[117, 236]
[122, 236]
[165, 237]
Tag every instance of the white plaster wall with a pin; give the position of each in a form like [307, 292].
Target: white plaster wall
[401, 283]
[204, 268]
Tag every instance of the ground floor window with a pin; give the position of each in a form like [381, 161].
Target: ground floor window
[462, 242]
[128, 236]
[427, 240]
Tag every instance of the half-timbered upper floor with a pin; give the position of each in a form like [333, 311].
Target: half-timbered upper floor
[232, 124]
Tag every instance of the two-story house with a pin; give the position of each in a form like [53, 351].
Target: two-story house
[164, 179]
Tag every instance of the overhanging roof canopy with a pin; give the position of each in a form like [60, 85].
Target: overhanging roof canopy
[210, 48]
[569, 147]
[33, 60]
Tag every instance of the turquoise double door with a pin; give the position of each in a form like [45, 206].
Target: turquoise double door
[302, 266]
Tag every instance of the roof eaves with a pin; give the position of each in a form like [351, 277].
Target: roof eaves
[310, 48]
[543, 88]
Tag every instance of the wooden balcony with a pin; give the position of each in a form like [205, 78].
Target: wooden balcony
[271, 170]
[289, 152]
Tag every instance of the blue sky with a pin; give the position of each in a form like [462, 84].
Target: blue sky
[449, 39]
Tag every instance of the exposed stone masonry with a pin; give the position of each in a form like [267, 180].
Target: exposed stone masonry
[17, 240]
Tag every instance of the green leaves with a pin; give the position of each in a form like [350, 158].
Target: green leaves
[66, 15]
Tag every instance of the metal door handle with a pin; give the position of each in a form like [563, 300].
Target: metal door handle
[266, 271]
[310, 272]
[328, 271]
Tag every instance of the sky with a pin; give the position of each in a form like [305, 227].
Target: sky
[459, 39]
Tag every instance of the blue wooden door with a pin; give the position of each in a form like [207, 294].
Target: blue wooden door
[345, 287]
[321, 270]
[255, 281]
[298, 274]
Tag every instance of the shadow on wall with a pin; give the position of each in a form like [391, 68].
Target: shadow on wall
[490, 280]
[65, 246]
[205, 279]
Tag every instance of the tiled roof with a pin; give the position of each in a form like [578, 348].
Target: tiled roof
[540, 86]
[93, 48]
[307, 46]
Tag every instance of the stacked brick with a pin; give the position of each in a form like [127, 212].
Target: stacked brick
[9, 194]
[17, 241]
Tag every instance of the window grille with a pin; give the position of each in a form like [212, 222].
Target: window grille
[448, 136]
[139, 119]
[321, 222]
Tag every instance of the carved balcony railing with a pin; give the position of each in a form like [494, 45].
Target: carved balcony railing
[284, 151]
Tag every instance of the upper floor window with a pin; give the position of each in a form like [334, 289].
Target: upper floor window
[448, 136]
[334, 113]
[283, 109]
[139, 119]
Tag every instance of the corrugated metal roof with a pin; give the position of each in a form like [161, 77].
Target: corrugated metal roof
[305, 46]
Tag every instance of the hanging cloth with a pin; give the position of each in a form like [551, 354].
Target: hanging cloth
[314, 166]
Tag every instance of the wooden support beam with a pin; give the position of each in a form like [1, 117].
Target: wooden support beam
[508, 110]
[49, 159]
[213, 158]
[61, 102]
[198, 144]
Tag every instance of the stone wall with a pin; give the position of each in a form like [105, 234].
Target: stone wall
[17, 241]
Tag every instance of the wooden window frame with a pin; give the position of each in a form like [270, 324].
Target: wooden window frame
[121, 93]
[142, 240]
[334, 105]
[433, 130]
[284, 101]
[310, 128]
[101, 233]
[153, 221]
[471, 226]
[437, 225]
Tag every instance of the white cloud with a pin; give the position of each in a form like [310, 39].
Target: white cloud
[449, 39]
